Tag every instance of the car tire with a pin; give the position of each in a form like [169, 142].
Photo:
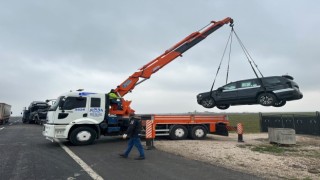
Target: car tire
[178, 132]
[223, 107]
[83, 136]
[266, 99]
[198, 132]
[208, 102]
[280, 103]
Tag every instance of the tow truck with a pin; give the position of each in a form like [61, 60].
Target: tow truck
[82, 117]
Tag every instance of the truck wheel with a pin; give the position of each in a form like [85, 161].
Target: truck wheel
[83, 136]
[198, 132]
[178, 132]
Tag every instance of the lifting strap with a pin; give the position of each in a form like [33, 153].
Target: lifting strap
[225, 49]
[249, 58]
[232, 31]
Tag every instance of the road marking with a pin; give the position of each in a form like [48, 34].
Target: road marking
[10, 124]
[84, 166]
[1, 128]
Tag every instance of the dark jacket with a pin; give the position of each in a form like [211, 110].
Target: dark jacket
[134, 128]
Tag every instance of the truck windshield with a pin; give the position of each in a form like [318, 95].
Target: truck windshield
[56, 104]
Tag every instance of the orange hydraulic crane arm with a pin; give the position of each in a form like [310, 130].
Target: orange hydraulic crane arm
[169, 55]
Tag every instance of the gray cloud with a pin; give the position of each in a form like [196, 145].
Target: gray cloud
[47, 48]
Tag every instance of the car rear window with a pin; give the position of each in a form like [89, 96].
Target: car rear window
[273, 80]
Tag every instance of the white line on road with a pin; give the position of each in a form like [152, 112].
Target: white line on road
[1, 128]
[84, 166]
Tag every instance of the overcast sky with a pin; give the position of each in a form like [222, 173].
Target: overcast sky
[51, 47]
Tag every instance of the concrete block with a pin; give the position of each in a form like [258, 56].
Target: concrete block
[282, 135]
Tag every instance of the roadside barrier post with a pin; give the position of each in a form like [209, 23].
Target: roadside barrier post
[240, 132]
[149, 134]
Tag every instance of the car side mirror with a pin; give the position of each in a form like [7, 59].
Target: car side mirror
[220, 89]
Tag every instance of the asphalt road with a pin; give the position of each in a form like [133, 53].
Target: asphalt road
[26, 154]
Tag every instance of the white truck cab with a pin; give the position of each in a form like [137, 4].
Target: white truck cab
[81, 117]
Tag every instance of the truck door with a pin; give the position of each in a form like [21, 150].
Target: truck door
[73, 108]
[96, 111]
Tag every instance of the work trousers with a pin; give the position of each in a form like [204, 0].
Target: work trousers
[136, 142]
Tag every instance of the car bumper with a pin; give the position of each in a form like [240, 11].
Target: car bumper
[289, 94]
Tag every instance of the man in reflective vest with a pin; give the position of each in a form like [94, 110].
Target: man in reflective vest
[115, 99]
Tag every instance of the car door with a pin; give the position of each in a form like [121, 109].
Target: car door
[248, 90]
[226, 94]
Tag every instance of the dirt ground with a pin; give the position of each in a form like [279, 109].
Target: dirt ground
[255, 156]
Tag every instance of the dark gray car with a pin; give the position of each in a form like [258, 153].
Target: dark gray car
[267, 91]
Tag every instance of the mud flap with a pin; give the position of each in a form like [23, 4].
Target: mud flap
[221, 129]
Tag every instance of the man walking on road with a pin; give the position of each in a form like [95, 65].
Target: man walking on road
[133, 132]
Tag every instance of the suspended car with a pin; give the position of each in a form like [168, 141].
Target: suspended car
[267, 91]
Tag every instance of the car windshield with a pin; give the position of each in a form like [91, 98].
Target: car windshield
[56, 104]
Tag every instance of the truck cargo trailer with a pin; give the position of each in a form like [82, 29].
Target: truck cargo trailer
[5, 112]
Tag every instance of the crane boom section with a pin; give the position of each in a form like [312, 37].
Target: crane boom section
[168, 56]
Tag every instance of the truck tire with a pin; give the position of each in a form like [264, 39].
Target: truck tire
[198, 132]
[82, 136]
[178, 132]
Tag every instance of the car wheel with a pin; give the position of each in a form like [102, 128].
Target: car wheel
[208, 102]
[266, 99]
[178, 132]
[223, 107]
[280, 103]
[198, 132]
[83, 136]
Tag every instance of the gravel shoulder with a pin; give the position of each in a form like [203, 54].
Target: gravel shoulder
[255, 156]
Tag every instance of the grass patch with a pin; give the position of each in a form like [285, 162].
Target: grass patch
[244, 145]
[311, 153]
[250, 121]
[273, 149]
[268, 149]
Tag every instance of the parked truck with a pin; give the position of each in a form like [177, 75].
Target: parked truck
[82, 117]
[5, 112]
[36, 112]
